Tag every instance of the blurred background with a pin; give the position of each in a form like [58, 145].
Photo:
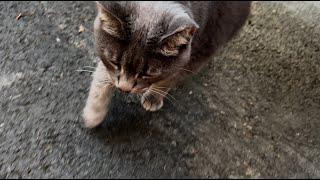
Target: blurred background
[253, 112]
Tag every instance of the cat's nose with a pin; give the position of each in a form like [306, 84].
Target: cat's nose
[124, 86]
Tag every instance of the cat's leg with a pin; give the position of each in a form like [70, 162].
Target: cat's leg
[152, 100]
[100, 94]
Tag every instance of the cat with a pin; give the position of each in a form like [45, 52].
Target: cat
[147, 47]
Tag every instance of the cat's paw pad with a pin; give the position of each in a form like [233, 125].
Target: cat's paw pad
[151, 102]
[92, 119]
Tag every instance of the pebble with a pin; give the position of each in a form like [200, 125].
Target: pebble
[62, 26]
[174, 143]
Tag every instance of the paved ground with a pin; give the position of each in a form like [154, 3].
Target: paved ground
[253, 112]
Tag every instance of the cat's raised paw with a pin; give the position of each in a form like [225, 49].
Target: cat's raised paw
[151, 102]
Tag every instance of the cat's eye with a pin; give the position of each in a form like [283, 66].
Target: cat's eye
[150, 75]
[146, 76]
[141, 75]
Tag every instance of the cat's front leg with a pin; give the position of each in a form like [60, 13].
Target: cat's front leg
[99, 98]
[152, 100]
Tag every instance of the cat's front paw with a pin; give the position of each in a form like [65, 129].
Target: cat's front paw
[91, 118]
[151, 102]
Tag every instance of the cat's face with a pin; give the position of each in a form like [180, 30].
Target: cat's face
[135, 55]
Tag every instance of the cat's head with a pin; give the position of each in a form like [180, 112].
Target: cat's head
[141, 43]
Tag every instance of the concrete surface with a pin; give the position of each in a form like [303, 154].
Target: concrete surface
[253, 112]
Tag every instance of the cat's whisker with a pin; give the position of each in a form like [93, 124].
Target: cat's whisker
[184, 69]
[167, 93]
[89, 67]
[84, 70]
[163, 95]
[108, 82]
[105, 82]
[161, 87]
[187, 70]
[159, 91]
[154, 91]
[146, 98]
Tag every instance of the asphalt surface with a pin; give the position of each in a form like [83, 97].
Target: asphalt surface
[253, 112]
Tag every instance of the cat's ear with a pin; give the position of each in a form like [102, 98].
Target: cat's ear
[181, 32]
[109, 22]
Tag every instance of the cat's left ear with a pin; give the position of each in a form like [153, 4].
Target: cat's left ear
[110, 23]
[180, 33]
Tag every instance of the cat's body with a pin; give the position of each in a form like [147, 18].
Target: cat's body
[147, 47]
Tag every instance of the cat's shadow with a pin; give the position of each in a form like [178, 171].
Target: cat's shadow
[163, 137]
[128, 121]
[124, 120]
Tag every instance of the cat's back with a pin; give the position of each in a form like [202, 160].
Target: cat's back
[218, 21]
[206, 10]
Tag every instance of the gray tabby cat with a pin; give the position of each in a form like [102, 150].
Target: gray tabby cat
[147, 47]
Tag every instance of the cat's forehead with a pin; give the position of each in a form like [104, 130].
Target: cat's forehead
[146, 14]
[146, 22]
[149, 13]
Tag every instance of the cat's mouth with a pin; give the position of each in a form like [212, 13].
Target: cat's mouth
[135, 90]
[131, 87]
[139, 91]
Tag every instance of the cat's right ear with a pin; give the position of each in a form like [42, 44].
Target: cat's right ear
[180, 33]
[109, 22]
